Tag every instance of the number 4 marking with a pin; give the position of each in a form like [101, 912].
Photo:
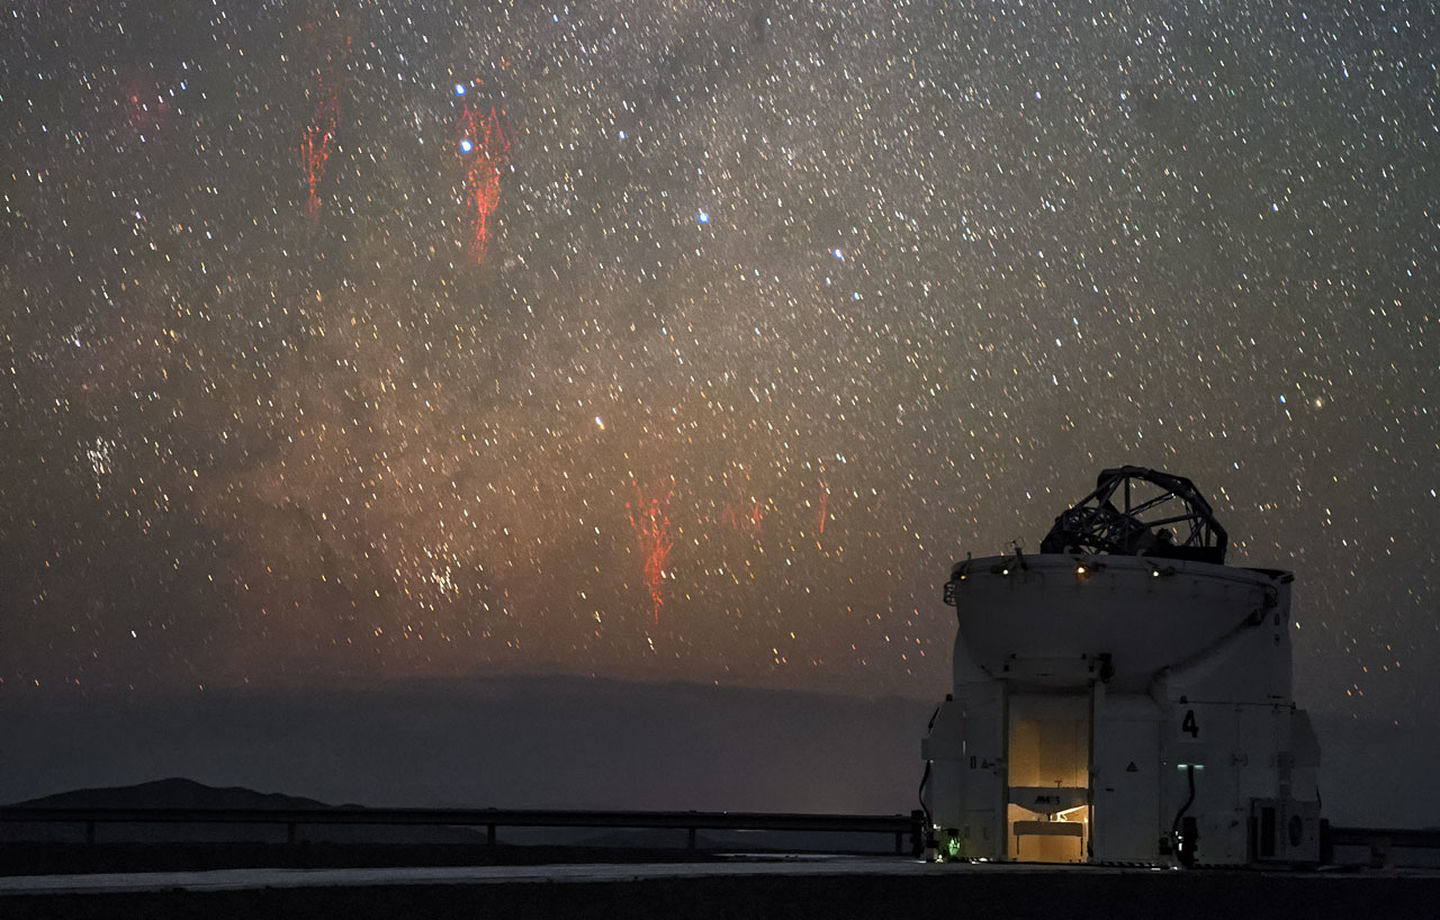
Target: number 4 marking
[1189, 725]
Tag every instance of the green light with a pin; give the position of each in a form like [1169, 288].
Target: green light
[953, 848]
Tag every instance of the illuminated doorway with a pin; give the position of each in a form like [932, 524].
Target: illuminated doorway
[1048, 812]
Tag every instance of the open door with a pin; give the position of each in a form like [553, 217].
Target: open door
[1048, 809]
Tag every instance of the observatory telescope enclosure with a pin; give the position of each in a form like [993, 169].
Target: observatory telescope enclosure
[1123, 696]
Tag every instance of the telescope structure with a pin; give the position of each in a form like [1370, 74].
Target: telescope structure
[1123, 696]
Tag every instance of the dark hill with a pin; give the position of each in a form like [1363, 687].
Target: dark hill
[179, 793]
[174, 792]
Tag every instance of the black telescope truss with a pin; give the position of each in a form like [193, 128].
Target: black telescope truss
[1136, 511]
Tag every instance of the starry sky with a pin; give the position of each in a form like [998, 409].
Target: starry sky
[733, 326]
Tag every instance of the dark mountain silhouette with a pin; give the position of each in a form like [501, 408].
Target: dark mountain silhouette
[174, 792]
[181, 793]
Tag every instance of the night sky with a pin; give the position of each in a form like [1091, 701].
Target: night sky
[694, 341]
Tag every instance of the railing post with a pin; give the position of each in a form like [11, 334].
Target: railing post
[490, 834]
[1379, 852]
[290, 833]
[90, 832]
[692, 838]
[919, 833]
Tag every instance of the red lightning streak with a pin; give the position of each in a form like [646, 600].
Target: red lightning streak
[650, 519]
[824, 498]
[315, 146]
[485, 147]
[317, 138]
[754, 521]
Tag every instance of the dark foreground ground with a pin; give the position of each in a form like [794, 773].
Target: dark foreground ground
[957, 891]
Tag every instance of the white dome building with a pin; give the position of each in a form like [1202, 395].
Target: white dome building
[1123, 696]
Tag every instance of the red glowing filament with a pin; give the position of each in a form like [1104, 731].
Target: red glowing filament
[317, 137]
[316, 143]
[650, 519]
[824, 498]
[753, 522]
[484, 148]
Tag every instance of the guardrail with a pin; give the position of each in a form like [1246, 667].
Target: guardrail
[1381, 842]
[905, 828]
